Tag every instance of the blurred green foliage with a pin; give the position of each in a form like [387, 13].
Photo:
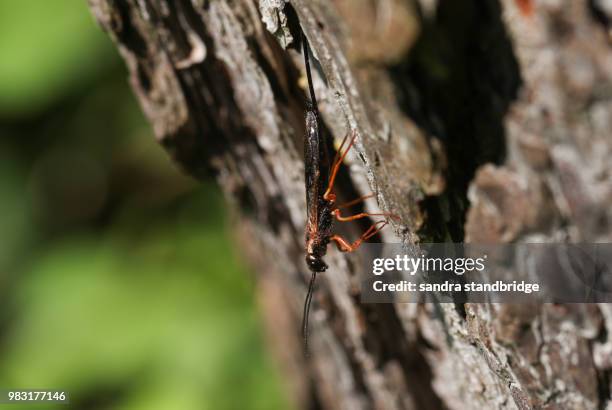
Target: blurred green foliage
[118, 281]
[48, 49]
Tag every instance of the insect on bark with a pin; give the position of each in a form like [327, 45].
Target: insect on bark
[320, 199]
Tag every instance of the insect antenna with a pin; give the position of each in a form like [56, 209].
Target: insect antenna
[306, 313]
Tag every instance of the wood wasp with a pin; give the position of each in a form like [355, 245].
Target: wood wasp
[320, 199]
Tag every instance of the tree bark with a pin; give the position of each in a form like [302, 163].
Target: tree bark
[478, 121]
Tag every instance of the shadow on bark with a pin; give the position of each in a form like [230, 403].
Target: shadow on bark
[457, 84]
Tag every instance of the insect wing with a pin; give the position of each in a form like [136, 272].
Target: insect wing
[312, 166]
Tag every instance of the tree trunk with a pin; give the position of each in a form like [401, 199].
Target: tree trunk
[478, 120]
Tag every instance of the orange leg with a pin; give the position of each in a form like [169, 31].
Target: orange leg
[345, 246]
[337, 162]
[340, 148]
[354, 201]
[336, 213]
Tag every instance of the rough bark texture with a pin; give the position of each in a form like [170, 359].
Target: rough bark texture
[478, 120]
